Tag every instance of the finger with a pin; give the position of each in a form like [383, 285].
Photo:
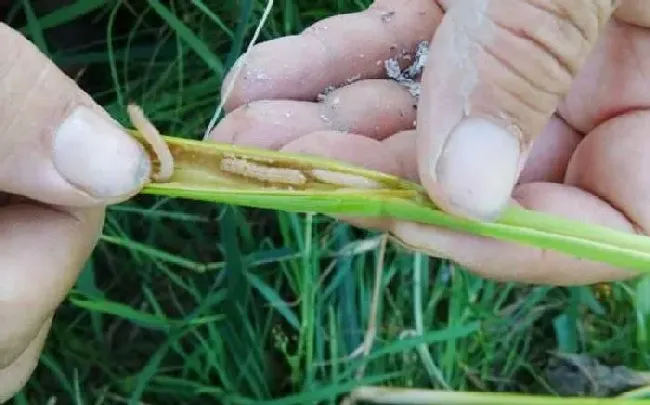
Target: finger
[547, 162]
[487, 257]
[42, 250]
[361, 151]
[14, 377]
[403, 147]
[497, 72]
[614, 79]
[373, 108]
[56, 144]
[551, 153]
[612, 163]
[351, 148]
[510, 262]
[634, 12]
[333, 51]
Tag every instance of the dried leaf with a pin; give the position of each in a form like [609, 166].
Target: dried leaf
[582, 375]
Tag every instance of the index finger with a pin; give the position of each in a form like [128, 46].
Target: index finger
[333, 52]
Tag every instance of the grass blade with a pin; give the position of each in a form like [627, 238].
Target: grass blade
[399, 396]
[65, 14]
[192, 40]
[35, 28]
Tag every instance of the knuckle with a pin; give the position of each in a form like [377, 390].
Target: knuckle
[535, 50]
[634, 12]
[564, 32]
[33, 88]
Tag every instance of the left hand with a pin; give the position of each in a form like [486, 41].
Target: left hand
[62, 161]
[539, 93]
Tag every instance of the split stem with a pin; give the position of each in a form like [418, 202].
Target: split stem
[257, 178]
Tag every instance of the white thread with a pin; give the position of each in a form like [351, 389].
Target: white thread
[238, 69]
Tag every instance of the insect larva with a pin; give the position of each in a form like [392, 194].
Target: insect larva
[153, 137]
[344, 179]
[260, 172]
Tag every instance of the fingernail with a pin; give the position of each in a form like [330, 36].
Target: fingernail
[478, 168]
[94, 154]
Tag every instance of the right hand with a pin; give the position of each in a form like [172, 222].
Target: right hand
[558, 97]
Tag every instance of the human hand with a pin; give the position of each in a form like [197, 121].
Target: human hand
[62, 160]
[537, 103]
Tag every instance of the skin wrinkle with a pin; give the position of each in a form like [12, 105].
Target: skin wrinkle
[10, 149]
[14, 347]
[536, 84]
[565, 17]
[517, 118]
[612, 81]
[16, 375]
[606, 166]
[20, 108]
[533, 105]
[635, 227]
[456, 47]
[513, 115]
[633, 12]
[608, 84]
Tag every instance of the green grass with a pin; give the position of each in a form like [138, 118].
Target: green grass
[188, 302]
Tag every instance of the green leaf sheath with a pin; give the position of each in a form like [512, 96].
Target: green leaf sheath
[200, 175]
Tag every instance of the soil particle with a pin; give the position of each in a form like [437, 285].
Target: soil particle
[408, 77]
[582, 375]
[387, 16]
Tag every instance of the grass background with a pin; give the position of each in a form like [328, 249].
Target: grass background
[186, 302]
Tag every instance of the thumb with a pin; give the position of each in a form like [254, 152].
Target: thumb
[56, 145]
[497, 71]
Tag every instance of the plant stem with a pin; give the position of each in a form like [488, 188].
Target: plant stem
[257, 178]
[403, 396]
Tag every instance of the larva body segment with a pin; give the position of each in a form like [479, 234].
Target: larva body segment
[256, 171]
[344, 179]
[153, 137]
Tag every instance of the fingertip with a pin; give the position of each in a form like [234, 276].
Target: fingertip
[95, 155]
[492, 83]
[474, 174]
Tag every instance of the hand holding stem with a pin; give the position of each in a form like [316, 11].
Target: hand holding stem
[535, 103]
